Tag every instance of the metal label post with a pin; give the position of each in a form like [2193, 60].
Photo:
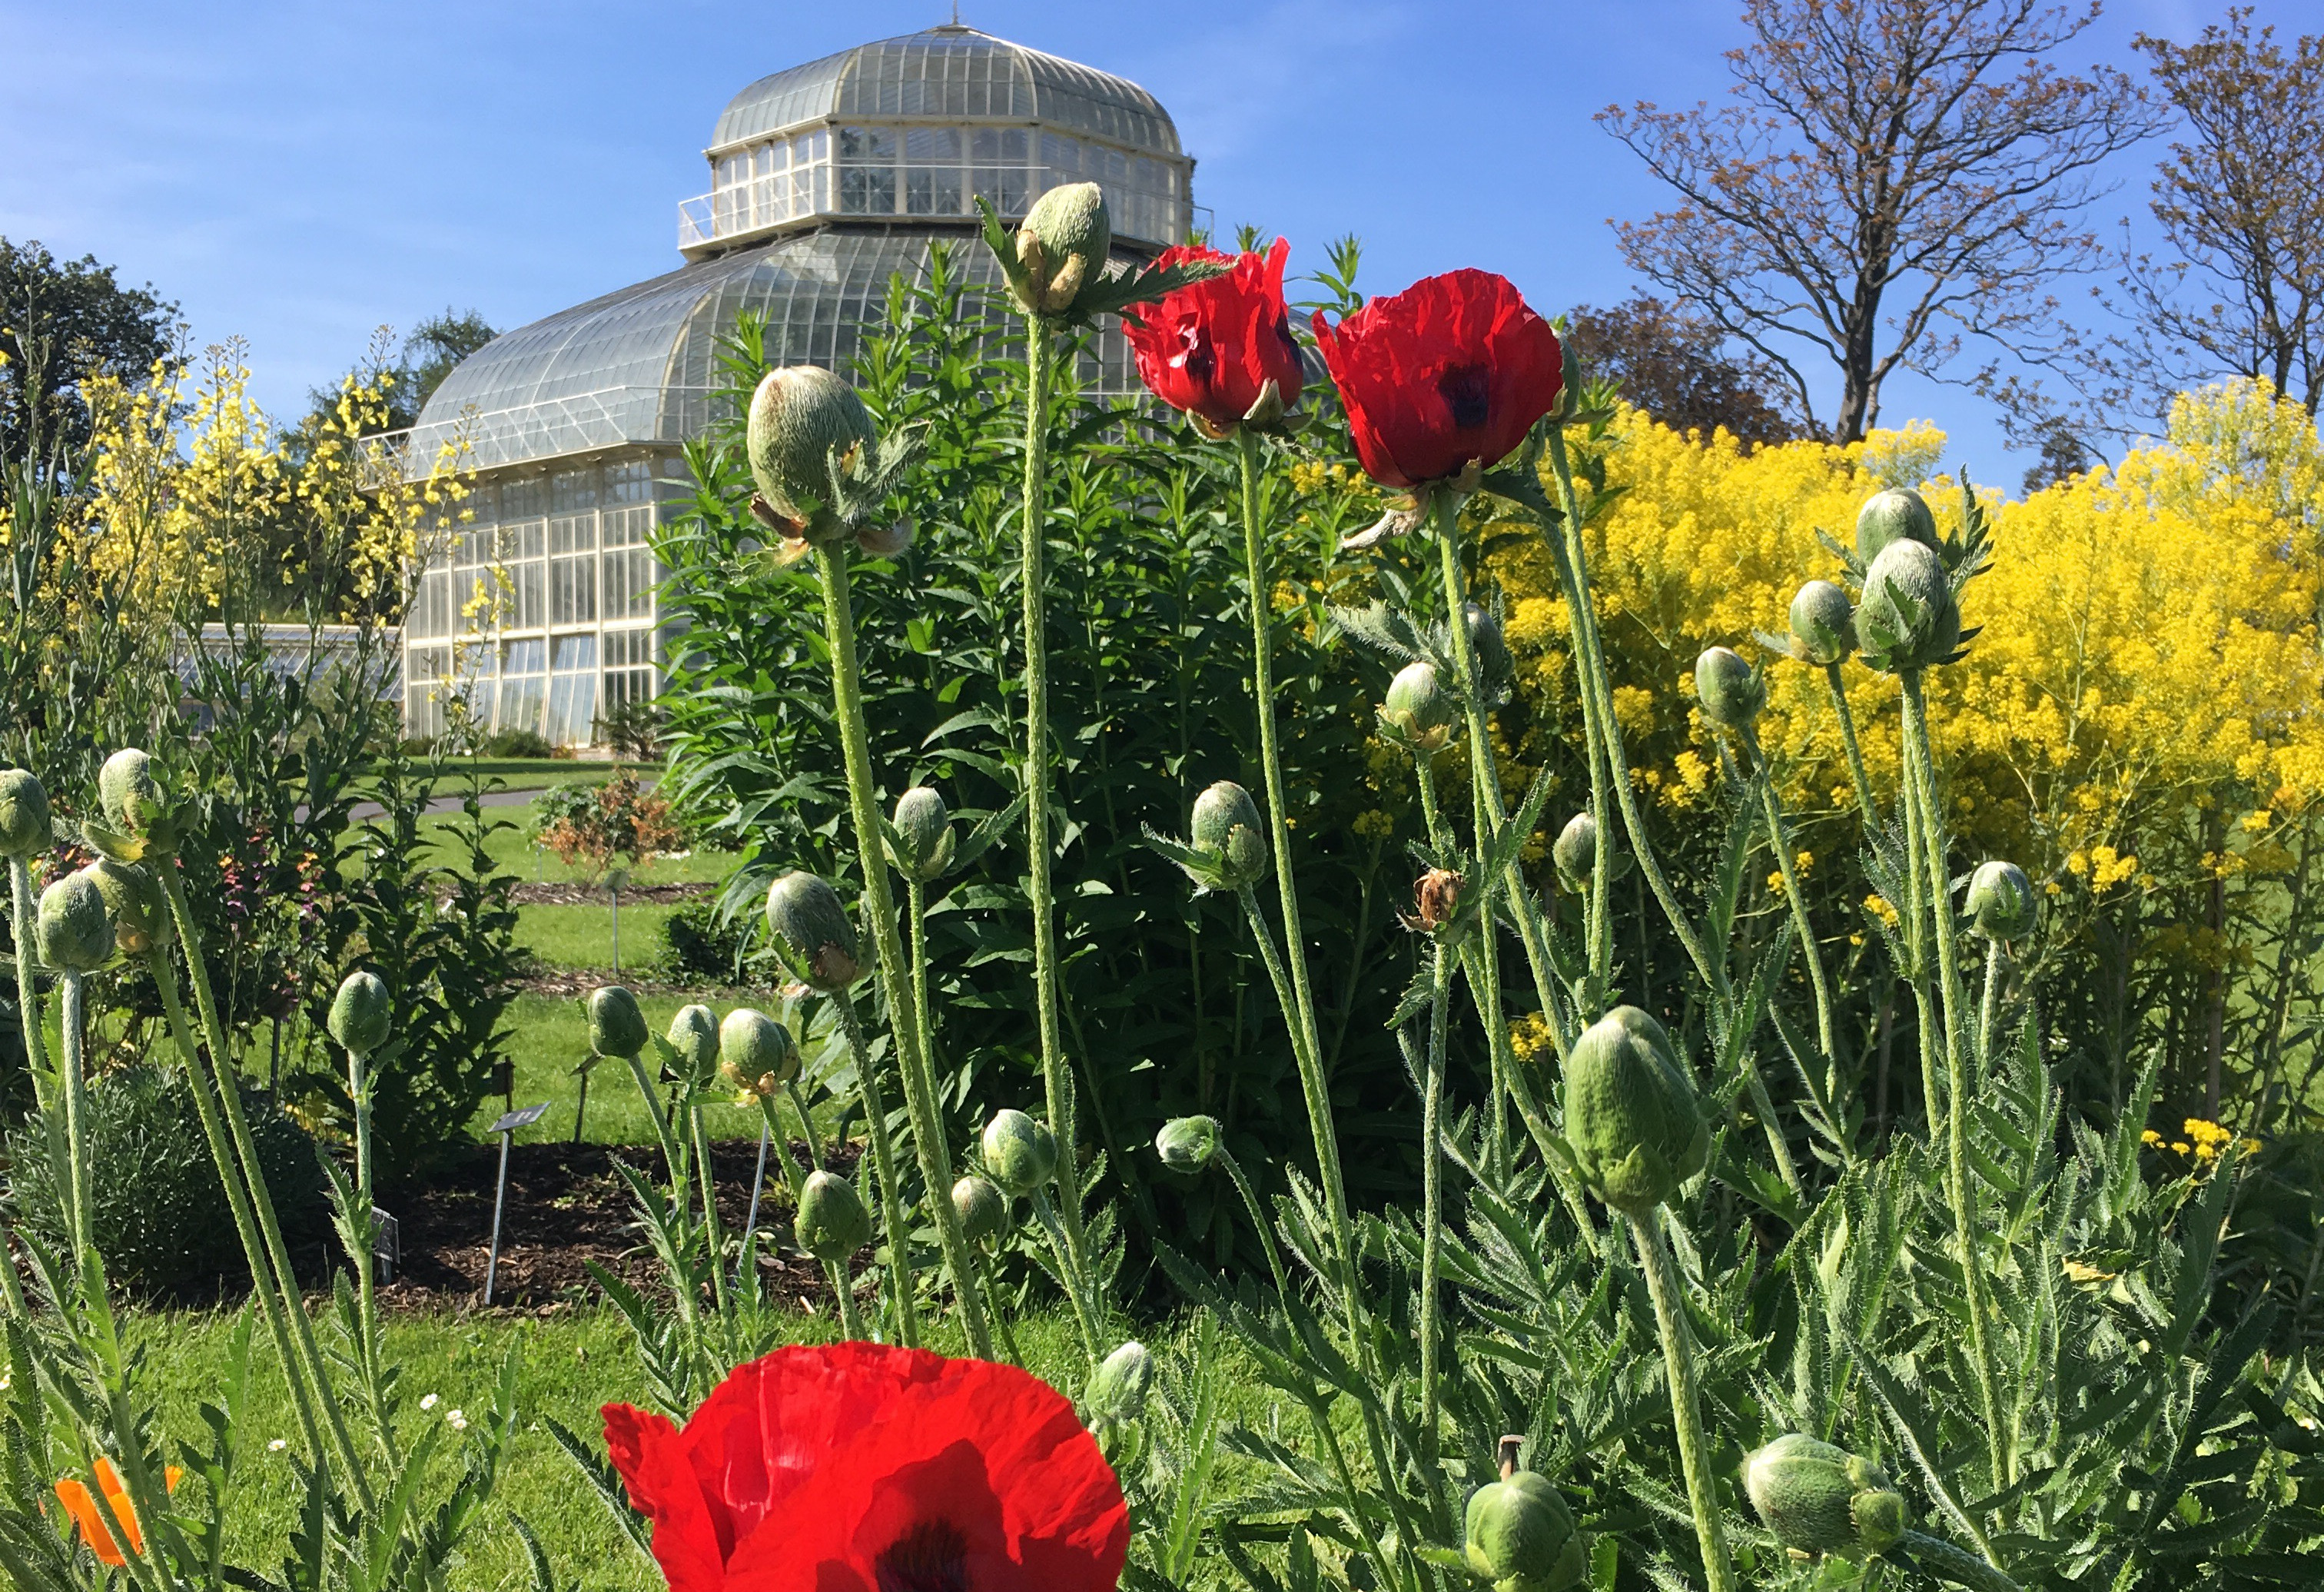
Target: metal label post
[506, 1128]
[758, 1181]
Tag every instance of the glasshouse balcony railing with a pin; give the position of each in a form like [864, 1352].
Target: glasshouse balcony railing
[750, 205]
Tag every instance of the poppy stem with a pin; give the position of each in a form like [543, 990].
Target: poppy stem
[929, 1143]
[1432, 1197]
[883, 1166]
[1686, 1400]
[262, 1203]
[1040, 370]
[1922, 773]
[1855, 776]
[1076, 1293]
[26, 916]
[1258, 1219]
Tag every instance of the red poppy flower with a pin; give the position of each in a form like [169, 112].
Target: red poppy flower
[862, 1468]
[1454, 369]
[1210, 349]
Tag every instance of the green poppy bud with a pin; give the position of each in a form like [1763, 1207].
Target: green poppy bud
[802, 417]
[133, 899]
[1820, 1499]
[832, 1222]
[1575, 850]
[1417, 712]
[1228, 831]
[1020, 1153]
[23, 814]
[926, 829]
[1631, 1116]
[1897, 515]
[1908, 618]
[755, 1052]
[814, 931]
[982, 1207]
[692, 1034]
[1063, 246]
[363, 1015]
[1522, 1536]
[1118, 1386]
[1731, 691]
[1824, 623]
[1187, 1144]
[127, 792]
[616, 1026]
[1486, 645]
[75, 931]
[2001, 903]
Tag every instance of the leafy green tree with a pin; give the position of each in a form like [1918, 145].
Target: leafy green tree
[61, 321]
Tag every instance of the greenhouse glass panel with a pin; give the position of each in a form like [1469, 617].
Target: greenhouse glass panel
[524, 685]
[573, 691]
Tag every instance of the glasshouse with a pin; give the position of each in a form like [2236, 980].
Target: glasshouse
[825, 182]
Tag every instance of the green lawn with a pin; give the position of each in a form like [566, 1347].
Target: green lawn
[511, 847]
[582, 936]
[572, 1363]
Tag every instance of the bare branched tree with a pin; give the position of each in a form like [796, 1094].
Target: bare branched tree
[1891, 178]
[2239, 290]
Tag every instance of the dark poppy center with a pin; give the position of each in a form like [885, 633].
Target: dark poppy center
[1196, 357]
[1467, 390]
[932, 1557]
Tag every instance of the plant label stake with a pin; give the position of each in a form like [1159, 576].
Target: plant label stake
[386, 1244]
[758, 1181]
[506, 1128]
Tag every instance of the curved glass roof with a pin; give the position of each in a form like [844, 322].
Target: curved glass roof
[640, 365]
[955, 74]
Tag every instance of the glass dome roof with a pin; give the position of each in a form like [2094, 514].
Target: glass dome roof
[952, 74]
[640, 365]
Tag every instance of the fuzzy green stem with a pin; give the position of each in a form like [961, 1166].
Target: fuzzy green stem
[1590, 658]
[1040, 369]
[999, 1317]
[1432, 1198]
[673, 1162]
[903, 1012]
[360, 1219]
[72, 1014]
[1686, 1401]
[713, 1231]
[1988, 1012]
[1271, 751]
[884, 1167]
[1936, 1556]
[26, 916]
[1076, 1293]
[261, 1201]
[1779, 836]
[916, 911]
[1932, 839]
[1856, 774]
[254, 1246]
[1258, 1219]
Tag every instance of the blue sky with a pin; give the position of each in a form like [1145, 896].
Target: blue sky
[298, 174]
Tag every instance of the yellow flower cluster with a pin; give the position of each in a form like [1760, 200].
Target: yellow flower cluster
[2206, 1141]
[1529, 1037]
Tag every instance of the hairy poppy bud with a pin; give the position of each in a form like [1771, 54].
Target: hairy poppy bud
[692, 1034]
[1228, 832]
[127, 790]
[1063, 245]
[133, 899]
[755, 1052]
[1820, 1499]
[363, 1015]
[802, 417]
[1417, 712]
[814, 931]
[982, 1207]
[1631, 1116]
[1522, 1536]
[2001, 903]
[1823, 627]
[832, 1222]
[1897, 515]
[1118, 1386]
[1485, 643]
[925, 828]
[1575, 850]
[75, 930]
[1908, 618]
[1187, 1144]
[616, 1026]
[1731, 691]
[1020, 1153]
[23, 814]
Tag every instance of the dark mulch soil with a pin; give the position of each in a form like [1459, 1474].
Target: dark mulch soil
[566, 893]
[567, 1207]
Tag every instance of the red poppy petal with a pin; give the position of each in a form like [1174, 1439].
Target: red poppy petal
[652, 1456]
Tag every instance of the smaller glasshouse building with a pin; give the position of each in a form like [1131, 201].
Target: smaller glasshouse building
[825, 180]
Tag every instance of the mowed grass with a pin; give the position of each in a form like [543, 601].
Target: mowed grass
[570, 1364]
[582, 935]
